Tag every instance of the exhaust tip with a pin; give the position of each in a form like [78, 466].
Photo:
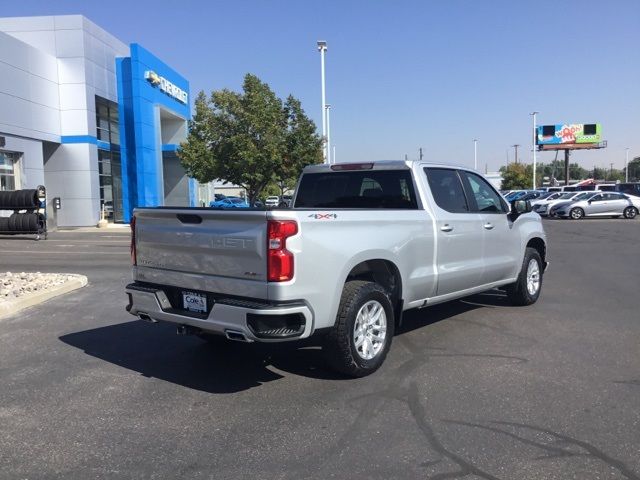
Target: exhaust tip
[145, 317]
[235, 335]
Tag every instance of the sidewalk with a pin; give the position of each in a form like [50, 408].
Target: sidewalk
[112, 227]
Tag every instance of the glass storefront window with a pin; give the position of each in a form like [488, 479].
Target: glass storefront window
[110, 176]
[107, 121]
[8, 170]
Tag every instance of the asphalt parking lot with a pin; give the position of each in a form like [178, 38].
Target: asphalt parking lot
[471, 389]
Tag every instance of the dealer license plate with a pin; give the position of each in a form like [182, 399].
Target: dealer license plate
[194, 302]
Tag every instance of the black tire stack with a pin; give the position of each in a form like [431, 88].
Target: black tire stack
[30, 221]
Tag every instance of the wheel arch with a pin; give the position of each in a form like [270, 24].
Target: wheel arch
[381, 271]
[540, 246]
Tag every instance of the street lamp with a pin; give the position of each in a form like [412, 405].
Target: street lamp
[322, 48]
[626, 166]
[475, 153]
[328, 111]
[533, 114]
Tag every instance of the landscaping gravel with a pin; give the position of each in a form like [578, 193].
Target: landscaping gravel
[16, 285]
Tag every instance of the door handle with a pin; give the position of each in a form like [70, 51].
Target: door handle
[446, 228]
[488, 226]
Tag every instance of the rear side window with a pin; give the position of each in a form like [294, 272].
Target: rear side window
[389, 189]
[447, 191]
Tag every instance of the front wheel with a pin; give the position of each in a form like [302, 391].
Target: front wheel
[576, 213]
[630, 213]
[361, 337]
[526, 290]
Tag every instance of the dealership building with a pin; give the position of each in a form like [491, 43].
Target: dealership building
[96, 121]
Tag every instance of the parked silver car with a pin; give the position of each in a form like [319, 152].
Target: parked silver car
[599, 204]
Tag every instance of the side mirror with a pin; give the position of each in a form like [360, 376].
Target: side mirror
[520, 206]
[589, 202]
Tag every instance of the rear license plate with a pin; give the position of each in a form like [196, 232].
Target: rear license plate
[194, 302]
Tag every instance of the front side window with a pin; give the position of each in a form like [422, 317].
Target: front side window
[486, 199]
[446, 188]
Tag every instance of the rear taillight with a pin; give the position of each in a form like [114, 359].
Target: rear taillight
[134, 260]
[279, 259]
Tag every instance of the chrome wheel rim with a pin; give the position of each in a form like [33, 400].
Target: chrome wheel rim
[370, 330]
[533, 277]
[576, 213]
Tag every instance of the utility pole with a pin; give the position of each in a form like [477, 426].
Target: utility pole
[534, 148]
[611, 172]
[475, 154]
[420, 153]
[626, 166]
[516, 147]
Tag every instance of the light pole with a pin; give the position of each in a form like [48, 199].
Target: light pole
[322, 48]
[475, 154]
[516, 149]
[534, 148]
[328, 111]
[626, 166]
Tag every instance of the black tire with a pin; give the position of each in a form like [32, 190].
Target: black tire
[518, 292]
[630, 213]
[576, 213]
[339, 348]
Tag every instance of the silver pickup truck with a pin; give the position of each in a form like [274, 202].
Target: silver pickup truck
[361, 244]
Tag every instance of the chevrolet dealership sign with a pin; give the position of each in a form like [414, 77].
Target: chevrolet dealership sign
[166, 86]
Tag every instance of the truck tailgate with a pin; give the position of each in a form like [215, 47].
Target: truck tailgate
[225, 247]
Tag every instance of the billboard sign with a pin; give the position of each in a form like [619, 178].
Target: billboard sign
[568, 133]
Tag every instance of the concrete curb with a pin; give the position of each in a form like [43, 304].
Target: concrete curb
[14, 306]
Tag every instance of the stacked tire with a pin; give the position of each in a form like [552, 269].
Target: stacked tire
[19, 199]
[22, 223]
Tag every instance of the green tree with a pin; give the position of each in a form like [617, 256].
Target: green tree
[245, 138]
[516, 176]
[303, 146]
[634, 170]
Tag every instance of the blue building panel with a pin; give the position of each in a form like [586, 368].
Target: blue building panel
[145, 85]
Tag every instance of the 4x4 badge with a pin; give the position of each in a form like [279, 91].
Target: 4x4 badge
[323, 216]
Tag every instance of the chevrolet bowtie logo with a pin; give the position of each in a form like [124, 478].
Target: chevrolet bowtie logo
[153, 77]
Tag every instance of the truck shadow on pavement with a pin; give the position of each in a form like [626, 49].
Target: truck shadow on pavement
[155, 351]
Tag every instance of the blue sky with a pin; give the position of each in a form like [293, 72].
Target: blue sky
[407, 74]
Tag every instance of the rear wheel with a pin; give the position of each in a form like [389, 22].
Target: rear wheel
[526, 290]
[576, 213]
[630, 212]
[361, 337]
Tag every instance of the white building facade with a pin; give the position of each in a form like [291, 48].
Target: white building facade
[70, 94]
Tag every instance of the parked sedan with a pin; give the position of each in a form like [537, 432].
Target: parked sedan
[229, 202]
[599, 204]
[548, 207]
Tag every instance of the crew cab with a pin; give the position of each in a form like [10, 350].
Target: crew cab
[361, 244]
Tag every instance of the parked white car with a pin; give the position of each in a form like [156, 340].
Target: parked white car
[272, 201]
[543, 207]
